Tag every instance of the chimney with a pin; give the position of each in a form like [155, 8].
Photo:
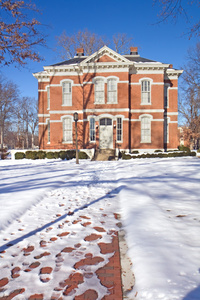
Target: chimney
[80, 52]
[171, 66]
[133, 50]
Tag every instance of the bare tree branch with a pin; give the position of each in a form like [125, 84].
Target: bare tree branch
[172, 9]
[18, 34]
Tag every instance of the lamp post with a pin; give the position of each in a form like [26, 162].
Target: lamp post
[76, 120]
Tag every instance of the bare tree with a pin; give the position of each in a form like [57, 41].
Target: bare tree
[189, 103]
[90, 42]
[122, 43]
[9, 96]
[172, 9]
[18, 34]
[26, 121]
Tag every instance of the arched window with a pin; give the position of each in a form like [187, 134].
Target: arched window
[99, 91]
[146, 92]
[67, 130]
[67, 93]
[146, 129]
[112, 90]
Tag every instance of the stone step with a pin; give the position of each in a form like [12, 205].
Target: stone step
[104, 155]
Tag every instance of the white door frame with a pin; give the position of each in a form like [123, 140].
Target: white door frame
[106, 133]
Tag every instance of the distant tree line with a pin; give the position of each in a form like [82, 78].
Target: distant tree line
[18, 117]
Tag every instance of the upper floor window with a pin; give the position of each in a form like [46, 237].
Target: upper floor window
[112, 90]
[67, 93]
[146, 129]
[146, 92]
[48, 97]
[92, 129]
[166, 103]
[99, 91]
[67, 130]
[119, 129]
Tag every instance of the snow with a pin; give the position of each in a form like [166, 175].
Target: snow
[158, 200]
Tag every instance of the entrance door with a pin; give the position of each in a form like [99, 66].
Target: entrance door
[105, 134]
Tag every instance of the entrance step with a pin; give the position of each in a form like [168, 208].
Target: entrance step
[104, 154]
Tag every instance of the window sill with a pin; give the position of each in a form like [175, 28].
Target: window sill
[112, 102]
[145, 104]
[145, 142]
[67, 142]
[99, 103]
[66, 105]
[92, 142]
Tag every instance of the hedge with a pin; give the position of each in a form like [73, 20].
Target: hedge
[68, 154]
[158, 154]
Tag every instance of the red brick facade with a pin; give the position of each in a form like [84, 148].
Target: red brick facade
[122, 101]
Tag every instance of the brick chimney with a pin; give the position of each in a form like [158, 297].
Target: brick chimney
[133, 50]
[171, 66]
[79, 52]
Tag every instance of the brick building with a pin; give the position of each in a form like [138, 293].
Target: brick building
[123, 101]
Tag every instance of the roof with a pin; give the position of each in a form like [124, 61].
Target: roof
[72, 61]
[137, 58]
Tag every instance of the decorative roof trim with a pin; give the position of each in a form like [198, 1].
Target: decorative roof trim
[105, 50]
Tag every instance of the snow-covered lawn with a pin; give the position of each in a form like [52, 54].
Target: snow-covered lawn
[158, 199]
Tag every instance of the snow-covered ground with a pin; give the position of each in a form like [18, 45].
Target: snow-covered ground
[158, 199]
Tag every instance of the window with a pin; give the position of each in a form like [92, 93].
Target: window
[67, 130]
[145, 130]
[112, 91]
[119, 129]
[99, 91]
[48, 131]
[166, 96]
[166, 130]
[67, 93]
[146, 92]
[92, 129]
[106, 121]
[48, 97]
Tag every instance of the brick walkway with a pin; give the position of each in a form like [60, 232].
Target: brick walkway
[109, 274]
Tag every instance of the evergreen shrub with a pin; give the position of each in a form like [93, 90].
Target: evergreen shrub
[63, 155]
[82, 155]
[41, 154]
[71, 154]
[19, 155]
[50, 155]
[183, 148]
[31, 155]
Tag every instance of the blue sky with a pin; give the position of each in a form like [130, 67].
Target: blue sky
[162, 42]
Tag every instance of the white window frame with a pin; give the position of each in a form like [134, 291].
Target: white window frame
[145, 129]
[67, 132]
[112, 90]
[92, 130]
[119, 129]
[48, 97]
[99, 95]
[67, 95]
[146, 91]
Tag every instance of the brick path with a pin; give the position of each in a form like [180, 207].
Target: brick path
[109, 274]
